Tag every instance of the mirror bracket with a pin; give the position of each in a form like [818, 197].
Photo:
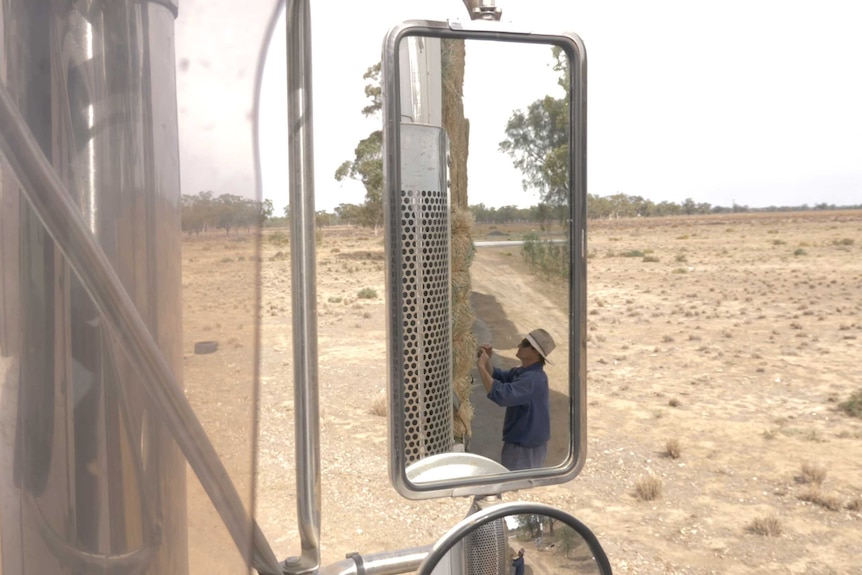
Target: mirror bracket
[483, 9]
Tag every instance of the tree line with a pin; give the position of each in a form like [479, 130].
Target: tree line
[206, 212]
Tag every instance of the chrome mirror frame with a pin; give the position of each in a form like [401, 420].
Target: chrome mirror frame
[480, 482]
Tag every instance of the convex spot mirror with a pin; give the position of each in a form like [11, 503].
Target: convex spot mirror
[489, 541]
[485, 194]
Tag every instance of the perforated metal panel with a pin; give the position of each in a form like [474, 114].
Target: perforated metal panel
[425, 294]
[485, 550]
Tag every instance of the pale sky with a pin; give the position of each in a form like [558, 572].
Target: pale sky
[753, 102]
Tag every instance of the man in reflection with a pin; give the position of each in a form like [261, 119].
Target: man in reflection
[523, 391]
[518, 563]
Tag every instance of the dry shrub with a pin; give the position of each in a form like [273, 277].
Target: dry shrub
[815, 496]
[811, 473]
[379, 405]
[279, 239]
[853, 406]
[674, 402]
[767, 526]
[673, 449]
[367, 293]
[648, 488]
[854, 504]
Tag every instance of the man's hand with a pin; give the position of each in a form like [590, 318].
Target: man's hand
[483, 363]
[484, 360]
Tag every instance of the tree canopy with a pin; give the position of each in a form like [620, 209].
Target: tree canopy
[367, 164]
[537, 141]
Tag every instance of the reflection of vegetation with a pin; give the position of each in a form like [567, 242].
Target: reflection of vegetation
[560, 546]
[527, 527]
[367, 164]
[538, 142]
[543, 214]
[548, 258]
[569, 540]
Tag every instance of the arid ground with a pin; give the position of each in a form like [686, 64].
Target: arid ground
[719, 351]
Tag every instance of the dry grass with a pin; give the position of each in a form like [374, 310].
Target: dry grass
[379, 405]
[769, 526]
[811, 473]
[648, 488]
[815, 496]
[673, 449]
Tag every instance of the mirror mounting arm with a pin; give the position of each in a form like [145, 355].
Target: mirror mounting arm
[483, 9]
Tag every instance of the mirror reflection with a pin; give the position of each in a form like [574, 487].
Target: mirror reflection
[525, 544]
[483, 223]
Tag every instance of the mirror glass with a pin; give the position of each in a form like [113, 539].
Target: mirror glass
[480, 229]
[523, 544]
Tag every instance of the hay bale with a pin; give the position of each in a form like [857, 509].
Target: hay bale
[463, 251]
[462, 221]
[462, 421]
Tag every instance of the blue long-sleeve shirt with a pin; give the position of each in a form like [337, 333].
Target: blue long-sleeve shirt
[518, 564]
[523, 391]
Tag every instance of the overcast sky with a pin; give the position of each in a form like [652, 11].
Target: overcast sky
[753, 102]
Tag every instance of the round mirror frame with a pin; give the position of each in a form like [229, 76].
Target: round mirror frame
[476, 520]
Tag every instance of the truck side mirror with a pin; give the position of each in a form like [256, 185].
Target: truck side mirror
[485, 207]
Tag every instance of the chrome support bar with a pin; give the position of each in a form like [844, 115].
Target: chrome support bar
[385, 563]
[304, 293]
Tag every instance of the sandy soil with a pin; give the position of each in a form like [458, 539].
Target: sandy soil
[738, 343]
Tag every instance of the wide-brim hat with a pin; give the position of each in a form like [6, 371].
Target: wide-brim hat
[542, 342]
